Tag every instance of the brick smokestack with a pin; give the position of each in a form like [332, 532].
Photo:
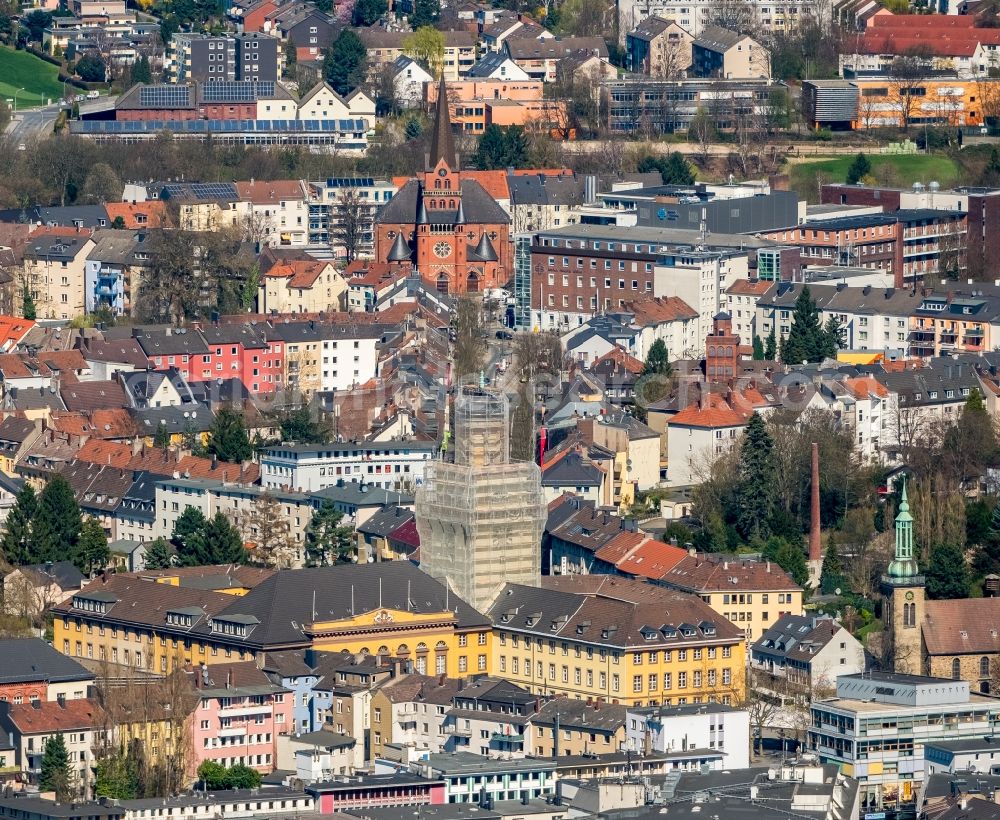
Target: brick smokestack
[815, 547]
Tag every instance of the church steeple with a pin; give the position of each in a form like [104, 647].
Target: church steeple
[903, 566]
[442, 140]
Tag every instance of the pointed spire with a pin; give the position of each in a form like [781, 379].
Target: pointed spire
[442, 142]
[460, 216]
[400, 250]
[422, 214]
[485, 251]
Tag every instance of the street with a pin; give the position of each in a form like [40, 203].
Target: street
[30, 125]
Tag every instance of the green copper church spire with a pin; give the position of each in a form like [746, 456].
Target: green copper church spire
[903, 565]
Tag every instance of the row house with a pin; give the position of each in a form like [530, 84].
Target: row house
[275, 212]
[54, 271]
[239, 717]
[113, 270]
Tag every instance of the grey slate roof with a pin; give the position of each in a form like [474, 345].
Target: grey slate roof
[487, 65]
[115, 246]
[543, 189]
[31, 659]
[478, 206]
[353, 493]
[716, 38]
[187, 417]
[525, 48]
[572, 470]
[385, 521]
[171, 342]
[63, 573]
[650, 28]
[284, 602]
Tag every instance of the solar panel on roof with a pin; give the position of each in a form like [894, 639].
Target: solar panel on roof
[164, 96]
[237, 91]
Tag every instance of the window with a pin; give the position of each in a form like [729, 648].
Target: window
[956, 669]
[984, 667]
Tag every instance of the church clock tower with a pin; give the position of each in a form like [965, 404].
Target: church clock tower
[903, 608]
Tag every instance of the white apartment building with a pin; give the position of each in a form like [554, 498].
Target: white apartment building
[390, 465]
[696, 728]
[275, 213]
[701, 279]
[350, 357]
[776, 17]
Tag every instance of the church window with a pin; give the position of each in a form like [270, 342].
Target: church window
[447, 184]
[437, 183]
[956, 669]
[984, 667]
[451, 204]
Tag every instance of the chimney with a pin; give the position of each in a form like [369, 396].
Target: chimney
[815, 547]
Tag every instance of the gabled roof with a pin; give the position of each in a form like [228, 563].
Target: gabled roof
[962, 626]
[299, 273]
[554, 47]
[271, 192]
[797, 637]
[95, 395]
[714, 572]
[716, 38]
[49, 717]
[137, 215]
[478, 206]
[62, 573]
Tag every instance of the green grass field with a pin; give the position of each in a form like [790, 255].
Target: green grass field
[39, 79]
[892, 169]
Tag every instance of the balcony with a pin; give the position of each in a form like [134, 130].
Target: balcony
[457, 731]
[500, 737]
[233, 731]
[245, 709]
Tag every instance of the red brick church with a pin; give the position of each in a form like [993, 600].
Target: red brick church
[447, 225]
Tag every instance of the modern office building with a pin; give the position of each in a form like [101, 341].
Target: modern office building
[879, 722]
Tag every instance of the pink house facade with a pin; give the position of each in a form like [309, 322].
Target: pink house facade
[239, 717]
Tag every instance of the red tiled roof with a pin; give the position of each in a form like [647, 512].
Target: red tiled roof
[100, 424]
[712, 411]
[50, 717]
[864, 386]
[651, 311]
[704, 573]
[299, 272]
[749, 287]
[154, 213]
[266, 193]
[120, 455]
[12, 330]
[962, 626]
[621, 356]
[636, 553]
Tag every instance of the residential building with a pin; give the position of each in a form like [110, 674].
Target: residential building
[410, 711]
[691, 731]
[408, 80]
[751, 593]
[719, 52]
[876, 727]
[540, 59]
[275, 212]
[331, 200]
[475, 103]
[954, 757]
[55, 271]
[31, 725]
[299, 286]
[399, 788]
[29, 591]
[358, 501]
[258, 57]
[385, 47]
[322, 104]
[807, 653]
[566, 727]
[658, 47]
[203, 58]
[542, 201]
[593, 637]
[385, 465]
[35, 672]
[239, 717]
[113, 270]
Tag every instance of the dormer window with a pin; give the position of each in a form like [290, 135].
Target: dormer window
[238, 626]
[96, 602]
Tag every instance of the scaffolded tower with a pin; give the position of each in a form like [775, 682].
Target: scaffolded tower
[481, 519]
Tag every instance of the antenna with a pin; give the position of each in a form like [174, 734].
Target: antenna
[380, 593]
[408, 596]
[352, 599]
[314, 605]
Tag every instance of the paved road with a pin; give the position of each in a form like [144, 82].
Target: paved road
[33, 124]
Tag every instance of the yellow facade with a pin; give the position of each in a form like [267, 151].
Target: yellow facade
[175, 581]
[754, 611]
[632, 676]
[431, 641]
